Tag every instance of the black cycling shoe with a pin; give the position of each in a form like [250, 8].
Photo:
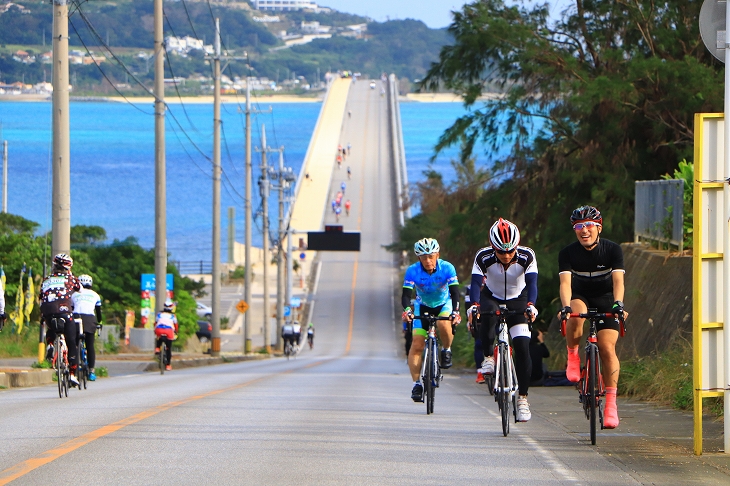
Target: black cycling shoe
[445, 358]
[49, 353]
[417, 393]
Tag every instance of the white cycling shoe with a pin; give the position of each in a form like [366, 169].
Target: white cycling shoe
[523, 410]
[487, 366]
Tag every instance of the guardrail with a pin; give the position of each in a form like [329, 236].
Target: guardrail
[658, 211]
[199, 267]
[398, 151]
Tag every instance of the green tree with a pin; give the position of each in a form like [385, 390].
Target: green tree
[589, 103]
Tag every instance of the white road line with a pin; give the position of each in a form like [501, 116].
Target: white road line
[545, 455]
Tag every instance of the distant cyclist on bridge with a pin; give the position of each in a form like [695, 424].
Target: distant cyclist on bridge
[591, 274]
[507, 275]
[437, 292]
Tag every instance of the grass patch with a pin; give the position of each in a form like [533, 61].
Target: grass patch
[665, 378]
[17, 346]
[101, 371]
[44, 365]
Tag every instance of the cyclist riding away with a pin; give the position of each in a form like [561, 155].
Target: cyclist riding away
[3, 316]
[166, 327]
[592, 276]
[87, 307]
[287, 333]
[437, 292]
[507, 275]
[310, 335]
[57, 290]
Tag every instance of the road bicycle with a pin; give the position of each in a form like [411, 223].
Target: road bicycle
[82, 371]
[505, 375]
[430, 366]
[164, 344]
[591, 389]
[290, 350]
[60, 358]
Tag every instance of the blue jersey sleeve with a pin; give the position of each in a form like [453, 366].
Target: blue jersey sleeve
[409, 281]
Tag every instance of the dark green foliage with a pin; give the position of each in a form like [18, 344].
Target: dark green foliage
[115, 268]
[601, 98]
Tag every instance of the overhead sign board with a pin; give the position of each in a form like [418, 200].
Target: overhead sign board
[333, 241]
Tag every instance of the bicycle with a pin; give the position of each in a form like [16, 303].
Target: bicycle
[430, 367]
[163, 352]
[82, 370]
[60, 359]
[591, 389]
[505, 375]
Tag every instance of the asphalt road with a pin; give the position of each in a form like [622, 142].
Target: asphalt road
[338, 414]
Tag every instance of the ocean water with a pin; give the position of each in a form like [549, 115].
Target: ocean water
[112, 164]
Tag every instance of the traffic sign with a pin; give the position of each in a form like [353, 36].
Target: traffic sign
[296, 302]
[242, 306]
[287, 311]
[302, 256]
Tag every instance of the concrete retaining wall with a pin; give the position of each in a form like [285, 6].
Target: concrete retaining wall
[658, 298]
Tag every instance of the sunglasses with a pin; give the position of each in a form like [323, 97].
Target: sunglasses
[587, 224]
[504, 252]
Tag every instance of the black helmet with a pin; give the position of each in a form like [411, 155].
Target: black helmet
[586, 213]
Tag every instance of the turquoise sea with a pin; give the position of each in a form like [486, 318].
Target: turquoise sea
[112, 163]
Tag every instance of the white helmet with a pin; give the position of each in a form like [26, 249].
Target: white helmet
[426, 246]
[86, 281]
[504, 235]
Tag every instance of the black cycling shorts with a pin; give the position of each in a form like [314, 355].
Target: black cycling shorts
[602, 303]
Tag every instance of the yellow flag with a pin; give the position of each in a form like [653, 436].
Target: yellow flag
[29, 296]
[19, 304]
[2, 278]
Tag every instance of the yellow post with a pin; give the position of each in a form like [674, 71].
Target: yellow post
[697, 287]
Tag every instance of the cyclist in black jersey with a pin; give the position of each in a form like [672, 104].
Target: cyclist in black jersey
[592, 276]
[506, 273]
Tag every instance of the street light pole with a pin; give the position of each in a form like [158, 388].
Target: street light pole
[264, 187]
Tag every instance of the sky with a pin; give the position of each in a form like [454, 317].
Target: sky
[434, 13]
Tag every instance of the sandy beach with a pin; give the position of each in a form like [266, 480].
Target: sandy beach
[241, 98]
[444, 97]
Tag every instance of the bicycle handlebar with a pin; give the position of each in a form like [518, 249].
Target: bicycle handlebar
[595, 315]
[433, 318]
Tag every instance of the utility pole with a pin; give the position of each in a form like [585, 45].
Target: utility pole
[61, 229]
[215, 349]
[231, 234]
[280, 256]
[160, 172]
[247, 210]
[5, 176]
[264, 188]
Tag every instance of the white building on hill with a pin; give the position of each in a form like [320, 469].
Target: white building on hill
[284, 5]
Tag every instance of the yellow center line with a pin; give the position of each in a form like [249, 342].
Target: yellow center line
[21, 469]
[359, 227]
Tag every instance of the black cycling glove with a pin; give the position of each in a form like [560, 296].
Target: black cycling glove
[565, 312]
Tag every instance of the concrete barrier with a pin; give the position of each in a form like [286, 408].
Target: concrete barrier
[142, 339]
[26, 378]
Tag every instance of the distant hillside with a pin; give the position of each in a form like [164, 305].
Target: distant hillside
[405, 47]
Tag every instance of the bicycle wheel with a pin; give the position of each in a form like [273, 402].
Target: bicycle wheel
[435, 376]
[489, 381]
[504, 388]
[163, 352]
[428, 380]
[591, 395]
[57, 365]
[82, 368]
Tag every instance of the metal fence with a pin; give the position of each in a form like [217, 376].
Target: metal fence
[658, 213]
[200, 267]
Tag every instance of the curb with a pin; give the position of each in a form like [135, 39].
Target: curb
[195, 362]
[25, 378]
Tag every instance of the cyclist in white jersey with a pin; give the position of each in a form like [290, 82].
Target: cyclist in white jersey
[87, 307]
[506, 274]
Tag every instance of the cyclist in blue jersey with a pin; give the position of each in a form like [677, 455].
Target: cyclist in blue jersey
[437, 292]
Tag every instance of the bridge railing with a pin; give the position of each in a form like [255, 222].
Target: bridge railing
[398, 151]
